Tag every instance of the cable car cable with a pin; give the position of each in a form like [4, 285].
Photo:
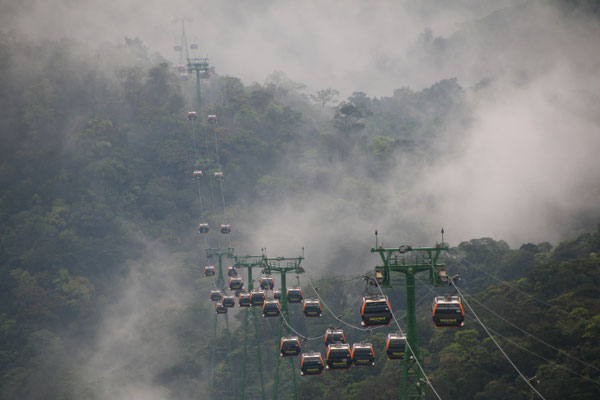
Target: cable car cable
[539, 356]
[467, 262]
[534, 337]
[353, 326]
[411, 350]
[353, 306]
[543, 358]
[298, 333]
[496, 343]
[221, 182]
[333, 314]
[218, 159]
[530, 334]
[210, 183]
[198, 181]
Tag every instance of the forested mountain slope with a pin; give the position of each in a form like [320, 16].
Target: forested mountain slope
[100, 264]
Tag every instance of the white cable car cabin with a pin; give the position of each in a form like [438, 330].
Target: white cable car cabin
[363, 354]
[448, 312]
[219, 176]
[197, 174]
[266, 283]
[194, 46]
[212, 118]
[395, 346]
[375, 310]
[192, 115]
[236, 283]
[334, 336]
[338, 356]
[215, 295]
[203, 228]
[232, 271]
[229, 301]
[220, 308]
[294, 295]
[209, 270]
[311, 363]
[244, 300]
[312, 308]
[257, 298]
[271, 308]
[225, 229]
[289, 346]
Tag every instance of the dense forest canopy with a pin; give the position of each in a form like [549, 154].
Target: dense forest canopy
[102, 294]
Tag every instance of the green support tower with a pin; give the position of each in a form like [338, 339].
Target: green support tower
[202, 70]
[283, 266]
[219, 253]
[250, 262]
[411, 261]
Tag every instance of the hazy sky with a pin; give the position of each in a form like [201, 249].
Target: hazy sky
[350, 45]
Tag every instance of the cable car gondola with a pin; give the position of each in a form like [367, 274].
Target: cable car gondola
[289, 346]
[215, 295]
[192, 115]
[177, 47]
[194, 46]
[184, 76]
[271, 308]
[448, 311]
[220, 308]
[203, 228]
[363, 354]
[312, 308]
[232, 271]
[277, 294]
[311, 363]
[229, 301]
[266, 283]
[197, 174]
[338, 356]
[334, 336]
[236, 283]
[219, 176]
[181, 68]
[225, 229]
[257, 298]
[244, 300]
[294, 295]
[212, 119]
[376, 310]
[209, 270]
[395, 346]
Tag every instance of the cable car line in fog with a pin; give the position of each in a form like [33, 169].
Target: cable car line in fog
[197, 173]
